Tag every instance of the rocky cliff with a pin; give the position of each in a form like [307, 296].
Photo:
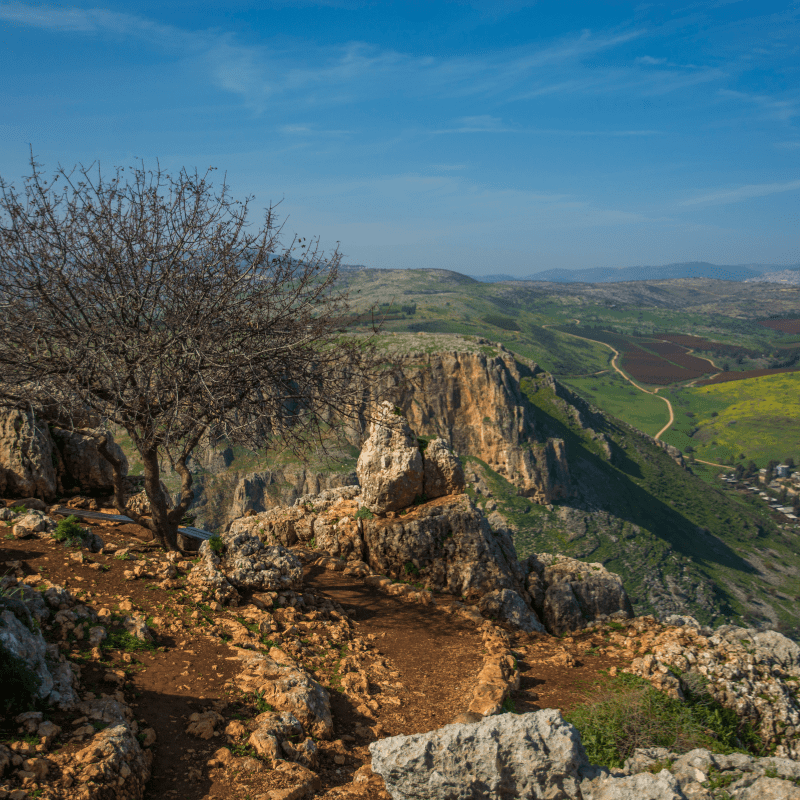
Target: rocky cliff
[40, 460]
[475, 402]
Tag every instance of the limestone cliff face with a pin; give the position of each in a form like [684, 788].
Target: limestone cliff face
[474, 402]
[260, 491]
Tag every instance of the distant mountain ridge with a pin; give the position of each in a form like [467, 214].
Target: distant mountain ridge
[689, 269]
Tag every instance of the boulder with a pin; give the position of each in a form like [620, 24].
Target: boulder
[84, 467]
[442, 471]
[288, 689]
[274, 728]
[56, 685]
[508, 606]
[451, 547]
[246, 563]
[569, 594]
[643, 786]
[524, 756]
[390, 468]
[114, 763]
[27, 457]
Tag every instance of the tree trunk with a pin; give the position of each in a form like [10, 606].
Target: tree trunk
[165, 530]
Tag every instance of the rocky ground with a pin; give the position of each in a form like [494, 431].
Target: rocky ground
[368, 642]
[389, 666]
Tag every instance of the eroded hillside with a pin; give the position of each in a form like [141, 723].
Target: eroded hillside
[564, 477]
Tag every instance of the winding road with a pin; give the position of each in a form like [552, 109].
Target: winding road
[628, 378]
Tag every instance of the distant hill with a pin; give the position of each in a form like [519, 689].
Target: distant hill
[692, 269]
[790, 275]
[496, 278]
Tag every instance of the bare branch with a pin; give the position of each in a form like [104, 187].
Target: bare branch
[150, 300]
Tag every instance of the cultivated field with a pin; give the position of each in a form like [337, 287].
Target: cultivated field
[782, 325]
[757, 418]
[727, 377]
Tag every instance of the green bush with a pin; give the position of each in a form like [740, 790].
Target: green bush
[125, 641]
[629, 713]
[364, 513]
[19, 685]
[217, 545]
[69, 531]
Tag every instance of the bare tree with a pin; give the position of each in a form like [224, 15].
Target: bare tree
[148, 300]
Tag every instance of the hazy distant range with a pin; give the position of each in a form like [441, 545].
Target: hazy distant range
[691, 269]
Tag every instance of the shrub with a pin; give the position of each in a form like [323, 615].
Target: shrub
[217, 545]
[70, 532]
[630, 713]
[364, 513]
[261, 704]
[19, 684]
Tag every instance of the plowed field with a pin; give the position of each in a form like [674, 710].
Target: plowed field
[783, 325]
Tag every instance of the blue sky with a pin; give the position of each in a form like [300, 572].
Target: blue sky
[483, 137]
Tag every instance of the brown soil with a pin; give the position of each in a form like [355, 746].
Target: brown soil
[433, 659]
[784, 325]
[437, 656]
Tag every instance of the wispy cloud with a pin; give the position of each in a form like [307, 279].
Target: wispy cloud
[89, 20]
[772, 107]
[489, 124]
[742, 193]
[792, 145]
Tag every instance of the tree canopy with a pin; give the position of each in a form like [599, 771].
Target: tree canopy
[149, 301]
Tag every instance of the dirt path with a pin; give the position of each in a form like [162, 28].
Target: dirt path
[437, 656]
[712, 464]
[427, 664]
[440, 657]
[630, 380]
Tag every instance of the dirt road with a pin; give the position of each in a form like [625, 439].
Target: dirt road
[629, 379]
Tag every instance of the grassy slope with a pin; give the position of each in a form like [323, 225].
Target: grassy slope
[718, 310]
[657, 524]
[758, 418]
[614, 395]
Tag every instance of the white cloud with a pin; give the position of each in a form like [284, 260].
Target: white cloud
[742, 193]
[774, 109]
[650, 61]
[89, 20]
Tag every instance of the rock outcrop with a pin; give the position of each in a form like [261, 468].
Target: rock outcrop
[245, 563]
[82, 465]
[27, 457]
[475, 402]
[288, 689]
[41, 460]
[538, 755]
[56, 681]
[445, 543]
[754, 673]
[522, 756]
[569, 594]
[390, 468]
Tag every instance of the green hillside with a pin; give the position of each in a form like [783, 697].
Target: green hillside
[677, 541]
[755, 419]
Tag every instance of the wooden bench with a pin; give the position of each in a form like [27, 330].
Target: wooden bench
[193, 536]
